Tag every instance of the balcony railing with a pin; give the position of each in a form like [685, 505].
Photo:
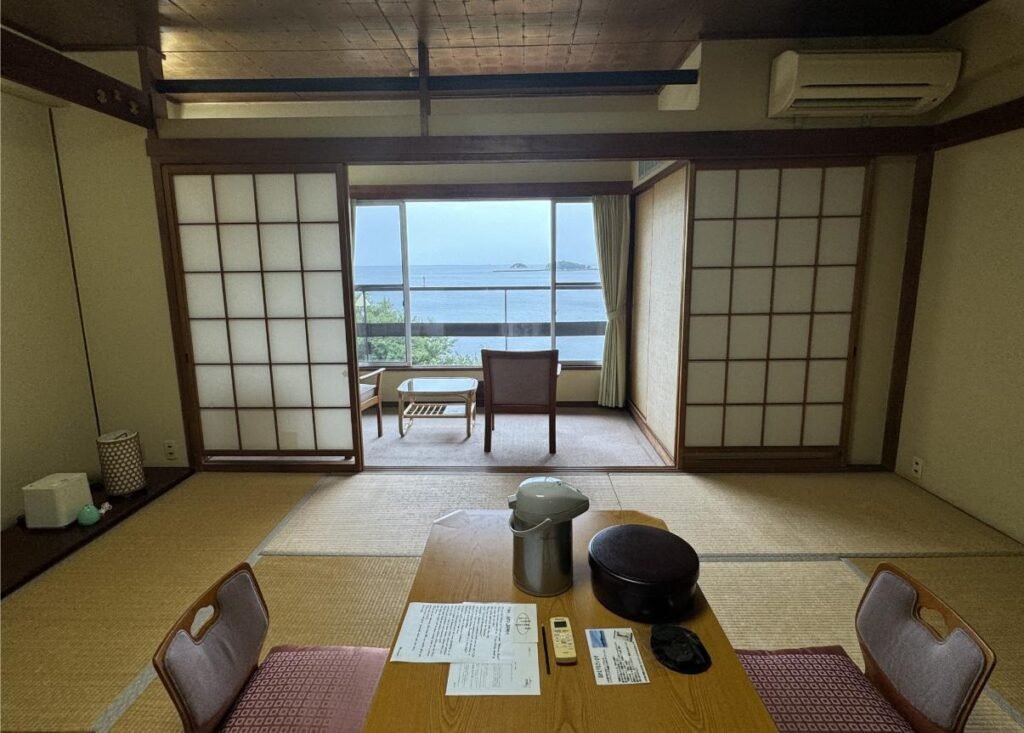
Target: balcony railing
[426, 326]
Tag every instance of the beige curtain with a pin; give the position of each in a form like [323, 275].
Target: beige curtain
[611, 226]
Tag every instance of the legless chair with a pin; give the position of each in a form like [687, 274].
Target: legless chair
[370, 396]
[917, 678]
[214, 680]
[520, 382]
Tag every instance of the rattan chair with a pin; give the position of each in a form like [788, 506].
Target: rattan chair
[370, 396]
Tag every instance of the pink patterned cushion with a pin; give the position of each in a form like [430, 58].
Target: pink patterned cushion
[309, 689]
[819, 690]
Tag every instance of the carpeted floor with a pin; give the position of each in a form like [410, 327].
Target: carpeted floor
[587, 437]
[77, 641]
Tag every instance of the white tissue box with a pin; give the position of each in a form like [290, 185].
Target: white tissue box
[55, 501]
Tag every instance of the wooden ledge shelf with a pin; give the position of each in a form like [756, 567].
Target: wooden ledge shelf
[26, 553]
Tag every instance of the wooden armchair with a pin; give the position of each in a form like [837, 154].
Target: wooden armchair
[216, 682]
[520, 382]
[370, 396]
[918, 677]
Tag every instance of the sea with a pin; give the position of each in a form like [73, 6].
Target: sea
[497, 306]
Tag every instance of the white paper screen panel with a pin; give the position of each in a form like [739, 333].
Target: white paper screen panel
[262, 258]
[774, 271]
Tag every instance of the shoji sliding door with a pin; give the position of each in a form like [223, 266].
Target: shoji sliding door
[774, 272]
[264, 288]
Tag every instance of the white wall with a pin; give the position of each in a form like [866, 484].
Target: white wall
[46, 410]
[964, 406]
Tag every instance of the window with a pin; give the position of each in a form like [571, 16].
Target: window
[436, 281]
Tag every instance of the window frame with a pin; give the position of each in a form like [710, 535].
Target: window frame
[407, 289]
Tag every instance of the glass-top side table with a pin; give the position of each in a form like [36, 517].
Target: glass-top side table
[436, 397]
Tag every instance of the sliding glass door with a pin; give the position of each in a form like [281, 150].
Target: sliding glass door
[263, 277]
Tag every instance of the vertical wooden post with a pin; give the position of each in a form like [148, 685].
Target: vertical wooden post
[424, 76]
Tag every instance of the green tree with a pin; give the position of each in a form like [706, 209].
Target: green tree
[426, 350]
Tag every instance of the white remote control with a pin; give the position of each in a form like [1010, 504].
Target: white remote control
[562, 641]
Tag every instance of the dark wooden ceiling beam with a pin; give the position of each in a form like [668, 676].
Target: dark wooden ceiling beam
[478, 83]
[524, 148]
[27, 63]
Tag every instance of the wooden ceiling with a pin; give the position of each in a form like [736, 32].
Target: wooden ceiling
[305, 38]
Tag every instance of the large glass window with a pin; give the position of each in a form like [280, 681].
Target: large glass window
[436, 281]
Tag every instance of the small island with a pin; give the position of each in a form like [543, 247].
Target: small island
[561, 265]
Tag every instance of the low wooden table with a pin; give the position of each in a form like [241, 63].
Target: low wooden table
[436, 397]
[469, 558]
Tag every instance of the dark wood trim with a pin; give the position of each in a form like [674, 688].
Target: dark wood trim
[659, 447]
[423, 86]
[28, 63]
[908, 306]
[660, 175]
[985, 123]
[733, 144]
[26, 553]
[348, 286]
[540, 190]
[684, 321]
[811, 464]
[535, 470]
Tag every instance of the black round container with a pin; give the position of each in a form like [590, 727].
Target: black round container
[643, 573]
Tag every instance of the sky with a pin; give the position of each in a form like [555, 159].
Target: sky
[474, 233]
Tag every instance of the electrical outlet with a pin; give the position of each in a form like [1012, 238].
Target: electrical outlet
[171, 450]
[917, 468]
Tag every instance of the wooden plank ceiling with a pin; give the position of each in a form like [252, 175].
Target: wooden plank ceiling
[303, 38]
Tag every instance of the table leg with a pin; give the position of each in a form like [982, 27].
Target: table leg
[469, 417]
[401, 416]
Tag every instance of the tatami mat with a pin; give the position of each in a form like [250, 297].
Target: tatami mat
[75, 637]
[778, 605]
[807, 514]
[391, 513]
[989, 594]
[349, 601]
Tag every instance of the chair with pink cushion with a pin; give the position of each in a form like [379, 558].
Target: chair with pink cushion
[213, 675]
[919, 675]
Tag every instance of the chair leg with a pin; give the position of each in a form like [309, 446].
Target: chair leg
[488, 424]
[380, 419]
[551, 433]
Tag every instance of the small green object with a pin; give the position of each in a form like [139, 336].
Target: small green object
[88, 515]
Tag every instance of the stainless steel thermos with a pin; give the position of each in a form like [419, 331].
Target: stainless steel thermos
[542, 512]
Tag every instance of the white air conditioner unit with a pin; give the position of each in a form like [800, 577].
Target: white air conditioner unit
[857, 83]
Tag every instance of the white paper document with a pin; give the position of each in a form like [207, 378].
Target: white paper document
[616, 657]
[520, 676]
[465, 632]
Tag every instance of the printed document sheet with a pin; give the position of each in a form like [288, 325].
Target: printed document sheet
[616, 657]
[520, 676]
[465, 632]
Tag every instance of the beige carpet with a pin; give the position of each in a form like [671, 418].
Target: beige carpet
[349, 601]
[391, 513]
[75, 637]
[587, 437]
[836, 515]
[778, 605]
[989, 594]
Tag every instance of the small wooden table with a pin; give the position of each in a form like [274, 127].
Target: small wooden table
[433, 397]
[469, 558]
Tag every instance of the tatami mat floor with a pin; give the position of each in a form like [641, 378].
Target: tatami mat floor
[76, 642]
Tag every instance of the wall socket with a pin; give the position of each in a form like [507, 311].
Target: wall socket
[917, 468]
[171, 452]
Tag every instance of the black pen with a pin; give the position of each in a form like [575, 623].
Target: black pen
[544, 636]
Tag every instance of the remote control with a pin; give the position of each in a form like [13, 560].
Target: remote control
[562, 641]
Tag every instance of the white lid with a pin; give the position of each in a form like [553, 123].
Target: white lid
[547, 497]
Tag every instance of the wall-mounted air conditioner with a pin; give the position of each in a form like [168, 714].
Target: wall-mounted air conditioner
[857, 83]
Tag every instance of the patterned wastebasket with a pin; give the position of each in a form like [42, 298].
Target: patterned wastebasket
[121, 462]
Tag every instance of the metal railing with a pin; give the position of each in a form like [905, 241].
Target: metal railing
[505, 328]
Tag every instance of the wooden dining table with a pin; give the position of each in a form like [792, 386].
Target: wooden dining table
[468, 557]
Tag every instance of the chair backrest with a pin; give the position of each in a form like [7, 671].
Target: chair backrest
[932, 676]
[520, 379]
[205, 670]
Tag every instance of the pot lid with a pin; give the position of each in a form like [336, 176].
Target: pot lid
[641, 554]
